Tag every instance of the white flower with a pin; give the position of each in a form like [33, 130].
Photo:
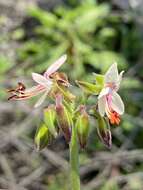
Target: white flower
[44, 84]
[109, 101]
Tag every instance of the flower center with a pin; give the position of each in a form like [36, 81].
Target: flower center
[111, 85]
[114, 118]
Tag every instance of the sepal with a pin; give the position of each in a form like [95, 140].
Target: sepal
[89, 88]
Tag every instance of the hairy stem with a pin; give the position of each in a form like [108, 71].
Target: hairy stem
[74, 161]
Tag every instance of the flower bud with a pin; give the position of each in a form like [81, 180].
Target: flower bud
[50, 119]
[64, 118]
[42, 137]
[104, 132]
[82, 126]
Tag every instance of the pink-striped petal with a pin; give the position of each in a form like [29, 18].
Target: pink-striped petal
[55, 66]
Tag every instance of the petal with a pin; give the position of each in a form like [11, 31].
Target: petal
[117, 103]
[55, 66]
[104, 92]
[119, 80]
[35, 89]
[111, 75]
[41, 79]
[41, 99]
[101, 106]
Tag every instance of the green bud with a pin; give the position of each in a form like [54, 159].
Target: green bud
[50, 119]
[82, 126]
[64, 118]
[42, 137]
[104, 132]
[89, 88]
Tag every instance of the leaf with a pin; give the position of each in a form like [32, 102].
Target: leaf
[46, 18]
[104, 59]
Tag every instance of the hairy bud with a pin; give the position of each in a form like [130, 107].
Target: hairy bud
[104, 132]
[42, 137]
[50, 119]
[64, 118]
[82, 126]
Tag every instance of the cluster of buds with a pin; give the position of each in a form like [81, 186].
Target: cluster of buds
[62, 116]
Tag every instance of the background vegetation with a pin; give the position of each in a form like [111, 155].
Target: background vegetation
[94, 34]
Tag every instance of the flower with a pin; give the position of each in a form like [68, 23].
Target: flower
[44, 84]
[109, 101]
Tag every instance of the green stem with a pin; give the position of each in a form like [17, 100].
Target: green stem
[74, 161]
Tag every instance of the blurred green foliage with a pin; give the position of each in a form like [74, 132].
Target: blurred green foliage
[91, 34]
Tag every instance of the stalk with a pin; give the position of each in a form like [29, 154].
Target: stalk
[74, 161]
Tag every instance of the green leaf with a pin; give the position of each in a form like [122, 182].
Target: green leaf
[5, 64]
[46, 18]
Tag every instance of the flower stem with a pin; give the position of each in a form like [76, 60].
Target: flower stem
[74, 161]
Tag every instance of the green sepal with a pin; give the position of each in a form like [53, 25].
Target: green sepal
[89, 88]
[68, 96]
[99, 80]
[59, 89]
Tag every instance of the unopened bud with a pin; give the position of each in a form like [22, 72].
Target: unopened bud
[42, 137]
[50, 119]
[82, 126]
[104, 132]
[64, 118]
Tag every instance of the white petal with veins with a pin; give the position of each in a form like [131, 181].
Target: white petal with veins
[41, 99]
[117, 103]
[104, 92]
[41, 79]
[55, 66]
[119, 80]
[111, 76]
[101, 106]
